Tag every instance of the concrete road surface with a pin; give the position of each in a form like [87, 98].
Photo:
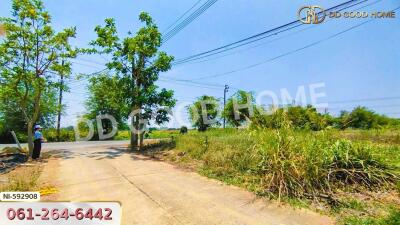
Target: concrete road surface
[154, 192]
[70, 145]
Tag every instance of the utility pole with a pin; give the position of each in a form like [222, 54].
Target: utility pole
[226, 89]
[60, 103]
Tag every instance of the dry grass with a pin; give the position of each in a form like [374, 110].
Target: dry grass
[23, 178]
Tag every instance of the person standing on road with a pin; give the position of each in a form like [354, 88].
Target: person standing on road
[37, 143]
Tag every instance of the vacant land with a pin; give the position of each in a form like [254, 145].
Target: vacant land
[353, 175]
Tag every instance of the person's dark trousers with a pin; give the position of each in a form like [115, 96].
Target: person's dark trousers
[37, 147]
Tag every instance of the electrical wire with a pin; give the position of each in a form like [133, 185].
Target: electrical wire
[366, 100]
[188, 20]
[258, 45]
[184, 14]
[265, 34]
[284, 54]
[192, 85]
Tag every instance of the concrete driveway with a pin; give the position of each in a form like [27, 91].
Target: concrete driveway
[154, 192]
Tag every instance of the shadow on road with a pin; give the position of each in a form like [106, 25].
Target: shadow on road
[101, 153]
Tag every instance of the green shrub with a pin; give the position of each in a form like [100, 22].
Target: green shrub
[66, 135]
[183, 130]
[297, 117]
[122, 135]
[363, 118]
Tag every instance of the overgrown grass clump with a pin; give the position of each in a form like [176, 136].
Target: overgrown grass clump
[289, 163]
[22, 179]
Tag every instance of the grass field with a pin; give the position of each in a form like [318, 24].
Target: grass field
[352, 174]
[155, 134]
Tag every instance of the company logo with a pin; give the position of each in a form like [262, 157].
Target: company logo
[2, 30]
[311, 14]
[316, 14]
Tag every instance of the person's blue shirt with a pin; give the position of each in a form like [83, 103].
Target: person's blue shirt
[38, 135]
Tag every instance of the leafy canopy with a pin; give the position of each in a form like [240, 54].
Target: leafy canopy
[137, 63]
[31, 59]
[204, 112]
[240, 98]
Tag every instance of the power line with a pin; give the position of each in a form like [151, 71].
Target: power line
[282, 55]
[258, 45]
[367, 106]
[265, 34]
[192, 85]
[242, 50]
[188, 20]
[94, 62]
[83, 64]
[193, 82]
[366, 100]
[184, 14]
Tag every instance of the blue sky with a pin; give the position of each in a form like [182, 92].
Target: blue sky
[360, 64]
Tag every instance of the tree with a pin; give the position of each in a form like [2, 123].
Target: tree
[236, 116]
[30, 59]
[137, 62]
[204, 112]
[107, 97]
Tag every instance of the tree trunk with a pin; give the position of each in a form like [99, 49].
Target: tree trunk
[141, 140]
[134, 135]
[140, 134]
[134, 141]
[30, 138]
[60, 105]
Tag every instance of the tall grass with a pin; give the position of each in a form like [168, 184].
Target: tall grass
[288, 163]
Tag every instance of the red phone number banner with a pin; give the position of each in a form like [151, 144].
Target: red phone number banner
[54, 213]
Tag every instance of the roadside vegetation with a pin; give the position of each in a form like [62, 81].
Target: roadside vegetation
[21, 179]
[332, 173]
[299, 156]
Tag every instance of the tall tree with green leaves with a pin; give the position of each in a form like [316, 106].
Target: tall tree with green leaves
[203, 113]
[137, 61]
[239, 108]
[30, 60]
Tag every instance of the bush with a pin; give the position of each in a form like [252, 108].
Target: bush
[183, 130]
[296, 117]
[363, 118]
[66, 135]
[122, 135]
[307, 118]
